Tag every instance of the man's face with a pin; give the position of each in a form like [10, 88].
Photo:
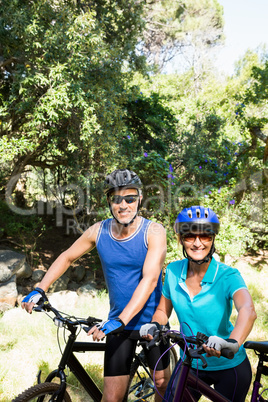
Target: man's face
[124, 209]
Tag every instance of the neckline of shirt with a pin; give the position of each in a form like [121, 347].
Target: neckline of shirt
[126, 238]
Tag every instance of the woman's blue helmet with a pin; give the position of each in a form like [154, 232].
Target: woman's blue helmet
[197, 219]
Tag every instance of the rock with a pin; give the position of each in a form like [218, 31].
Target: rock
[8, 294]
[60, 284]
[61, 300]
[10, 263]
[38, 275]
[78, 273]
[24, 272]
[21, 294]
[87, 290]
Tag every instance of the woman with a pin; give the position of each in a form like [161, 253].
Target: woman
[202, 292]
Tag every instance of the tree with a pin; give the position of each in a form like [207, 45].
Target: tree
[180, 27]
[63, 72]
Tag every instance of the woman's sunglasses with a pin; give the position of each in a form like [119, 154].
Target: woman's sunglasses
[203, 237]
[117, 199]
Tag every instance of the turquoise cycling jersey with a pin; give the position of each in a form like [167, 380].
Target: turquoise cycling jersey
[209, 311]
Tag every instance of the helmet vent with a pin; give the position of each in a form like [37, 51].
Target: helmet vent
[189, 213]
[206, 213]
[198, 213]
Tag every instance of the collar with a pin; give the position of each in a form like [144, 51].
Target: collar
[210, 275]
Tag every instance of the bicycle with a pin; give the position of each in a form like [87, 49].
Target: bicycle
[141, 384]
[192, 348]
[140, 380]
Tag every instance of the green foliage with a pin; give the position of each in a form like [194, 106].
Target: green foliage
[258, 91]
[74, 107]
[151, 125]
[62, 84]
[173, 28]
[24, 228]
[11, 225]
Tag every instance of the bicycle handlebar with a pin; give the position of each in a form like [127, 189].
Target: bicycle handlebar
[70, 321]
[183, 342]
[165, 332]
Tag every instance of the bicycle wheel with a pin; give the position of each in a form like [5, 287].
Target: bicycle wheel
[141, 385]
[41, 393]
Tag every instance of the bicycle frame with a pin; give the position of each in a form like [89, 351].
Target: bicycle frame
[57, 391]
[70, 360]
[140, 384]
[187, 379]
[261, 350]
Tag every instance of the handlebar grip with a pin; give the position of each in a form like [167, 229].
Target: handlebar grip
[229, 354]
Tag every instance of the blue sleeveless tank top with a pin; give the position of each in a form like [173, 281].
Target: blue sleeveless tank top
[122, 263]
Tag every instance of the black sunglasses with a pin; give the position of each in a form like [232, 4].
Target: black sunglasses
[117, 199]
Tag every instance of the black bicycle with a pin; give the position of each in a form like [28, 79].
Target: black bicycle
[141, 385]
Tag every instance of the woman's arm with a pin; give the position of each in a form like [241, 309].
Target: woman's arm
[246, 316]
[244, 322]
[163, 311]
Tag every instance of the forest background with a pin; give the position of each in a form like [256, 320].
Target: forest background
[83, 92]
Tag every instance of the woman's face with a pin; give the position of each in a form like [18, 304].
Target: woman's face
[197, 245]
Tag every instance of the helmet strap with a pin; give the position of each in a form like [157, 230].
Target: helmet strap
[199, 262]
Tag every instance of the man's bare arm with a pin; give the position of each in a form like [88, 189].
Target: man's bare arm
[84, 244]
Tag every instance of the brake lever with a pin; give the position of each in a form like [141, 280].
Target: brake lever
[197, 354]
[154, 341]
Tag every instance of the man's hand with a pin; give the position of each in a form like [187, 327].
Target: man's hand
[114, 326]
[32, 299]
[215, 344]
[148, 331]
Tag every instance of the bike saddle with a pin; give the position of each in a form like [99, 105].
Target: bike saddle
[261, 347]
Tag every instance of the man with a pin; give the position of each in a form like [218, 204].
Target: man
[132, 251]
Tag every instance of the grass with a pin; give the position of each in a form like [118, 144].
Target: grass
[28, 342]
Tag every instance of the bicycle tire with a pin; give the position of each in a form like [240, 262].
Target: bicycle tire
[39, 392]
[141, 384]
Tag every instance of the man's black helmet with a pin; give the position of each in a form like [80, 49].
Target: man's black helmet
[121, 178]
